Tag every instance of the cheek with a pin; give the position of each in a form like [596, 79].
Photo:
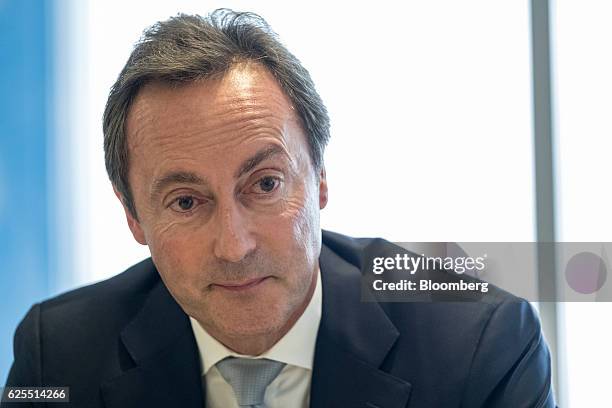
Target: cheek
[177, 253]
[306, 214]
[297, 227]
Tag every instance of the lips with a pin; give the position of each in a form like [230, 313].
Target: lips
[239, 286]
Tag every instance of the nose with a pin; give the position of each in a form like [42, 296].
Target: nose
[234, 240]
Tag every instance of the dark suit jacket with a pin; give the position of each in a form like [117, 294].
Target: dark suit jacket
[125, 342]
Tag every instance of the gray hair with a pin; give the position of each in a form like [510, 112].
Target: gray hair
[187, 48]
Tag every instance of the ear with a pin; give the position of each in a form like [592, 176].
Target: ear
[322, 188]
[133, 223]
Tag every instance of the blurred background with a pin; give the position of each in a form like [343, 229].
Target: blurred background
[451, 121]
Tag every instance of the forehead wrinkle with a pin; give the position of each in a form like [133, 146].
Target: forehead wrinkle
[140, 118]
[233, 121]
[248, 112]
[244, 93]
[238, 132]
[221, 131]
[230, 135]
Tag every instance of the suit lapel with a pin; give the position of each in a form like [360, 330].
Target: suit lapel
[353, 340]
[162, 345]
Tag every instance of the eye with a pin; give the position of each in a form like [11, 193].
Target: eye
[183, 204]
[266, 185]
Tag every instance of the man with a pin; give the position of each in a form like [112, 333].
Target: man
[214, 139]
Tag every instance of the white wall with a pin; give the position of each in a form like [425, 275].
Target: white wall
[430, 105]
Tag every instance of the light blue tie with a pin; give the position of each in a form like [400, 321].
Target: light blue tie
[249, 378]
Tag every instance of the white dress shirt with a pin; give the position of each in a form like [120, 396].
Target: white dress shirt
[291, 388]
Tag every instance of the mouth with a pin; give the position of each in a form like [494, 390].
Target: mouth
[240, 286]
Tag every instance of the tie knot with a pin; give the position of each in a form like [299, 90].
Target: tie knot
[249, 377]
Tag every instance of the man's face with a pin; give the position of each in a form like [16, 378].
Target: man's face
[228, 200]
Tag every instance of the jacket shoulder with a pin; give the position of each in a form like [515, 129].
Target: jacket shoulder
[490, 348]
[106, 305]
[359, 252]
[56, 333]
[137, 280]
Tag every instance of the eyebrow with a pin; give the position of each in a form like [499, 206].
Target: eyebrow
[176, 177]
[185, 177]
[265, 153]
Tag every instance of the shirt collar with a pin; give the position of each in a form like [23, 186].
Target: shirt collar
[294, 348]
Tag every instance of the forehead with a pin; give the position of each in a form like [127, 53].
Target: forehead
[221, 111]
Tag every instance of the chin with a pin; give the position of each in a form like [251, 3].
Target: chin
[242, 332]
[249, 323]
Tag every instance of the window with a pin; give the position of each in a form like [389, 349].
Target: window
[581, 35]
